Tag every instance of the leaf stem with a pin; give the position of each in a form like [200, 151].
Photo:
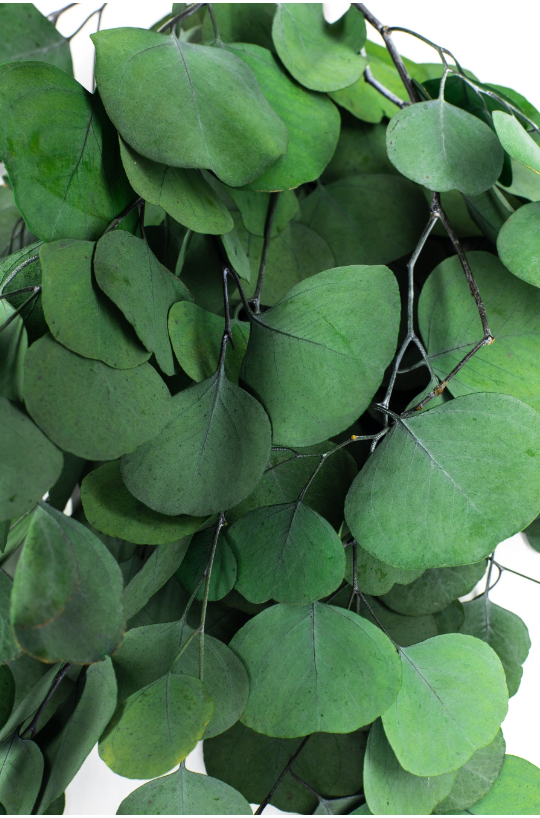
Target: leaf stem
[125, 212]
[31, 730]
[93, 14]
[518, 573]
[207, 576]
[13, 316]
[187, 12]
[270, 214]
[53, 17]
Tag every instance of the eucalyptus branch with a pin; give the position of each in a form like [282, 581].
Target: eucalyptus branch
[207, 577]
[282, 775]
[271, 212]
[356, 590]
[13, 316]
[382, 89]
[187, 12]
[517, 573]
[31, 730]
[17, 270]
[508, 105]
[439, 49]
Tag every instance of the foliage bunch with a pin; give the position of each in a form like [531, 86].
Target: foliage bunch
[237, 332]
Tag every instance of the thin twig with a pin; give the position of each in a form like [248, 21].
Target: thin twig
[270, 213]
[17, 270]
[125, 212]
[518, 573]
[32, 727]
[187, 12]
[282, 775]
[93, 14]
[17, 312]
[308, 787]
[214, 23]
[377, 620]
[53, 17]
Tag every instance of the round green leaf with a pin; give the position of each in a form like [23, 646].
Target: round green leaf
[66, 599]
[60, 152]
[443, 147]
[450, 328]
[288, 553]
[224, 568]
[80, 317]
[309, 149]
[515, 792]
[329, 763]
[89, 409]
[426, 499]
[13, 346]
[110, 507]
[516, 141]
[339, 355]
[185, 793]
[434, 590]
[183, 194]
[342, 672]
[391, 790]
[361, 149]
[373, 575]
[166, 718]
[130, 274]
[475, 778]
[452, 701]
[505, 632]
[30, 464]
[21, 770]
[28, 35]
[320, 55]
[371, 219]
[209, 114]
[208, 457]
[518, 245]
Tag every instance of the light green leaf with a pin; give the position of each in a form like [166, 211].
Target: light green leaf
[450, 327]
[374, 576]
[515, 792]
[253, 207]
[155, 572]
[452, 701]
[443, 147]
[88, 408]
[7, 683]
[370, 219]
[309, 149]
[28, 35]
[69, 738]
[475, 778]
[391, 790]
[517, 243]
[222, 122]
[339, 355]
[21, 769]
[183, 194]
[81, 318]
[223, 574]
[505, 632]
[9, 649]
[30, 463]
[185, 793]
[110, 507]
[130, 274]
[66, 598]
[516, 141]
[196, 336]
[288, 553]
[60, 152]
[435, 589]
[426, 498]
[13, 346]
[320, 55]
[251, 762]
[167, 718]
[208, 457]
[342, 672]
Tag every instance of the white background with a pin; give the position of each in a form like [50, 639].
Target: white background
[498, 41]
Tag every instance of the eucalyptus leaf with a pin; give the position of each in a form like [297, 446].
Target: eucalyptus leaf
[66, 598]
[425, 499]
[28, 35]
[254, 205]
[60, 153]
[434, 590]
[334, 356]
[516, 141]
[222, 122]
[30, 463]
[9, 648]
[88, 408]
[241, 23]
[342, 672]
[517, 243]
[475, 778]
[21, 769]
[29, 276]
[374, 576]
[203, 461]
[405, 630]
[452, 701]
[159, 568]
[515, 792]
[361, 149]
[224, 569]
[13, 346]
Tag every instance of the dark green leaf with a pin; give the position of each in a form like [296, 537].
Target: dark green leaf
[452, 701]
[443, 147]
[223, 574]
[475, 778]
[253, 207]
[241, 23]
[426, 499]
[288, 553]
[405, 630]
[515, 792]
[21, 768]
[64, 487]
[223, 122]
[66, 599]
[110, 507]
[7, 687]
[155, 572]
[33, 681]
[342, 672]
[88, 408]
[374, 576]
[185, 793]
[60, 153]
[339, 356]
[13, 346]
[30, 463]
[320, 55]
[338, 806]
[435, 589]
[9, 649]
[80, 317]
[28, 35]
[489, 210]
[361, 149]
[225, 438]
[451, 618]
